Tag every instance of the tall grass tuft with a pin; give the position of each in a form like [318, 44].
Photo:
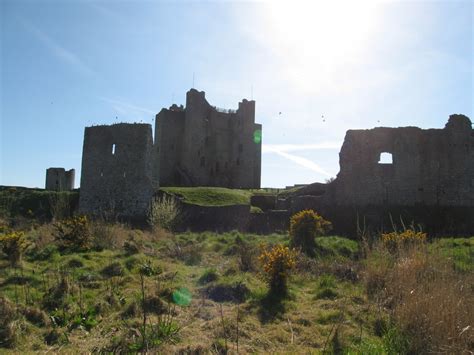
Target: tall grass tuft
[430, 302]
[164, 212]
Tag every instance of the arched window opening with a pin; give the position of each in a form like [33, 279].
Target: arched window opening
[113, 149]
[385, 158]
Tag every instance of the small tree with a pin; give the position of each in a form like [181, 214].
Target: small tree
[13, 244]
[277, 262]
[305, 226]
[164, 212]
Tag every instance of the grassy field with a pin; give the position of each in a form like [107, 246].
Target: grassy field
[206, 293]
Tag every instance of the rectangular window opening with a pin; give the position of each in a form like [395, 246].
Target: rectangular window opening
[113, 149]
[386, 158]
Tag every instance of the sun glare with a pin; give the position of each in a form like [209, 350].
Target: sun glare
[317, 38]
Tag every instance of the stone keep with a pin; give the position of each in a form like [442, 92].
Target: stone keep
[116, 177]
[58, 179]
[201, 145]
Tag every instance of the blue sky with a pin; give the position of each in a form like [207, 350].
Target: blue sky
[69, 64]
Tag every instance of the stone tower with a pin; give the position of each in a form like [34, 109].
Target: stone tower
[202, 145]
[58, 179]
[116, 174]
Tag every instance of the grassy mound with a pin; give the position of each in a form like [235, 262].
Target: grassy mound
[211, 196]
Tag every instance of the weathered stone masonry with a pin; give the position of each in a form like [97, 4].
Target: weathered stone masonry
[429, 167]
[430, 180]
[58, 179]
[200, 145]
[116, 174]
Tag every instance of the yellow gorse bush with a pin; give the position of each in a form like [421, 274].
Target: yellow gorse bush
[304, 227]
[73, 233]
[277, 262]
[395, 241]
[13, 244]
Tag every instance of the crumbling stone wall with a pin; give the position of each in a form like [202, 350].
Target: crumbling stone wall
[430, 180]
[429, 167]
[201, 145]
[116, 177]
[58, 179]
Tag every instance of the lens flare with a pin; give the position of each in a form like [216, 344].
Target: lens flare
[257, 136]
[182, 296]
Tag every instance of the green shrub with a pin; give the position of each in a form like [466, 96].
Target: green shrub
[305, 226]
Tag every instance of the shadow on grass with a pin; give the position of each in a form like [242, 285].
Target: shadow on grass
[271, 307]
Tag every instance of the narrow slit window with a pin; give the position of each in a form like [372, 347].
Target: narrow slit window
[385, 158]
[113, 149]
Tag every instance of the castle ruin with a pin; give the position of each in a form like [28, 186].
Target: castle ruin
[196, 145]
[58, 179]
[430, 177]
[429, 167]
[201, 145]
[116, 174]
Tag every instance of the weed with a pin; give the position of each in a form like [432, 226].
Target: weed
[246, 254]
[8, 330]
[164, 212]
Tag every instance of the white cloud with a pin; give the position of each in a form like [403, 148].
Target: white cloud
[284, 149]
[127, 108]
[273, 148]
[57, 50]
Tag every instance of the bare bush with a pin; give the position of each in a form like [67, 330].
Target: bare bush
[59, 205]
[164, 212]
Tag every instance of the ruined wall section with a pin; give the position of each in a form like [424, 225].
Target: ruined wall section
[429, 167]
[169, 132]
[116, 177]
[58, 179]
[248, 149]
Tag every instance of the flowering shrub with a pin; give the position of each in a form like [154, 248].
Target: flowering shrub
[395, 242]
[304, 227]
[13, 244]
[277, 262]
[73, 234]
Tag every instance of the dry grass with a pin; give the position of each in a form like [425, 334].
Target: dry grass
[430, 302]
